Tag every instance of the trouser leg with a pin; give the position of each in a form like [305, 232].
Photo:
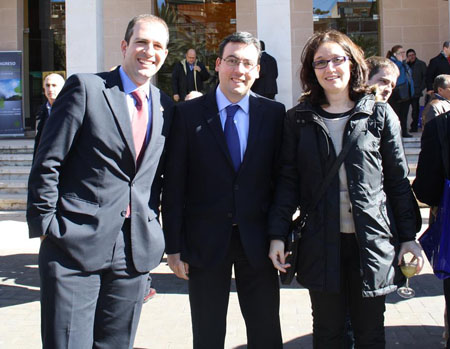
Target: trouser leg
[259, 299]
[209, 292]
[68, 300]
[415, 114]
[120, 299]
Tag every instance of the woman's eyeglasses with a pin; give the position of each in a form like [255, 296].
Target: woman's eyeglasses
[323, 63]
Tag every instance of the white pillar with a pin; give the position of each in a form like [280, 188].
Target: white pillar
[84, 36]
[274, 28]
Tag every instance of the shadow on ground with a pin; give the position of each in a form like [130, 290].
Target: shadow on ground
[397, 337]
[22, 270]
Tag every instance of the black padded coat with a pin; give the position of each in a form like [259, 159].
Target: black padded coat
[383, 206]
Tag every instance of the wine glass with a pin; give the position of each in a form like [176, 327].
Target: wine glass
[408, 269]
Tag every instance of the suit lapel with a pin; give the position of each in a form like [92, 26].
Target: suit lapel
[211, 114]
[118, 103]
[256, 113]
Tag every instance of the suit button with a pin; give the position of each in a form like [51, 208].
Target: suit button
[230, 215]
[123, 213]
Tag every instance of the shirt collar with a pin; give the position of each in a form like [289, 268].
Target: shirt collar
[129, 86]
[223, 101]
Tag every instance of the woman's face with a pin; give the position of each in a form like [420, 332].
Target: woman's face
[400, 54]
[335, 77]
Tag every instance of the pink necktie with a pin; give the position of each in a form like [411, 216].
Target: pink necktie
[139, 127]
[139, 122]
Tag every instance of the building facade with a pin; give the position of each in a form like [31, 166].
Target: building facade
[74, 36]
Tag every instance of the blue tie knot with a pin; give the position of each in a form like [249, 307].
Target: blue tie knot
[231, 110]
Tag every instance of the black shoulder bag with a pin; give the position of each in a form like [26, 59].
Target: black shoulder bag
[295, 231]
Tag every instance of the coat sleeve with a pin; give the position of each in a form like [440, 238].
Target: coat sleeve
[286, 198]
[175, 77]
[430, 177]
[396, 183]
[56, 141]
[204, 74]
[174, 187]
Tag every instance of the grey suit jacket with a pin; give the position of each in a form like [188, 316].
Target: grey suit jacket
[85, 175]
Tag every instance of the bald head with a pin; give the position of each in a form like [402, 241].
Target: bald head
[191, 56]
[53, 83]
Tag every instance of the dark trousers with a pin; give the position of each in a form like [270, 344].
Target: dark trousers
[415, 105]
[401, 109]
[447, 304]
[330, 309]
[82, 310]
[259, 299]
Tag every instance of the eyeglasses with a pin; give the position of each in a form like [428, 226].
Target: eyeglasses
[323, 63]
[234, 62]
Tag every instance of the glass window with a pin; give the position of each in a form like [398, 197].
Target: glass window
[198, 24]
[46, 43]
[358, 19]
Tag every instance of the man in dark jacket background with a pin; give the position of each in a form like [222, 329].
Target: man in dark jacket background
[419, 69]
[438, 65]
[266, 84]
[188, 75]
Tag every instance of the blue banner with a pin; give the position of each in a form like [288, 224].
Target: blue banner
[11, 118]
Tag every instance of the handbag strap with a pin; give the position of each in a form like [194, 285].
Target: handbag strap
[443, 141]
[331, 173]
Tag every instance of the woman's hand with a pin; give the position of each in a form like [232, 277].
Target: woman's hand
[277, 255]
[414, 248]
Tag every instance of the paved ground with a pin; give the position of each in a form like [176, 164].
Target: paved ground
[165, 321]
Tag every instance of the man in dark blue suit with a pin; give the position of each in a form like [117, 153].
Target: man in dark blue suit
[91, 200]
[222, 159]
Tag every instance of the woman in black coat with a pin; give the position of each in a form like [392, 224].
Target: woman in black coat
[347, 253]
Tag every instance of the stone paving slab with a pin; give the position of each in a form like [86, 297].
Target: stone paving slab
[165, 321]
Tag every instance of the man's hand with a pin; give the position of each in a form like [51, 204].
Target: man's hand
[180, 268]
[277, 255]
[197, 68]
[176, 98]
[414, 248]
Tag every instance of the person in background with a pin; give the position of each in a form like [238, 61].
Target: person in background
[418, 69]
[440, 102]
[400, 103]
[429, 182]
[188, 75]
[346, 255]
[437, 66]
[222, 161]
[383, 74]
[92, 196]
[53, 83]
[266, 84]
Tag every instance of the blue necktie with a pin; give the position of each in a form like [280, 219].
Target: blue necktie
[232, 136]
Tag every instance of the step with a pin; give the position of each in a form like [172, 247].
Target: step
[16, 159]
[13, 202]
[15, 172]
[16, 146]
[12, 186]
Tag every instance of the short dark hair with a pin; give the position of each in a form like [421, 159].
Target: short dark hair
[410, 50]
[144, 18]
[446, 44]
[358, 67]
[376, 63]
[442, 81]
[263, 45]
[240, 37]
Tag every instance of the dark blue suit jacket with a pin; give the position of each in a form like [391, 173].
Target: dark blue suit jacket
[85, 175]
[203, 195]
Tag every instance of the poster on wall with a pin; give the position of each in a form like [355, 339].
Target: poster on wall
[11, 119]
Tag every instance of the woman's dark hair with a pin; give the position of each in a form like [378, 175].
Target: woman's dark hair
[393, 50]
[358, 67]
